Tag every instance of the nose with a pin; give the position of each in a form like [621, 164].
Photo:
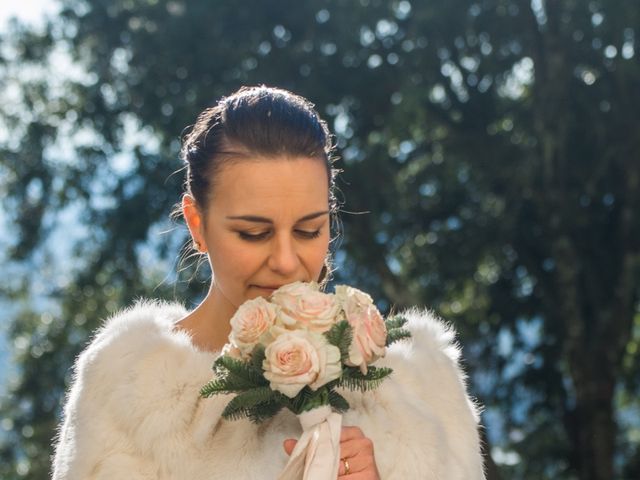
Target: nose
[283, 257]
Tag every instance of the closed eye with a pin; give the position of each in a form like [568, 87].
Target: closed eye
[253, 237]
[256, 237]
[308, 234]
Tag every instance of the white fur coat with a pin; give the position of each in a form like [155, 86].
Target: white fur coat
[134, 411]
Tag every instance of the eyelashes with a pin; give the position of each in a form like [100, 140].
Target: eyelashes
[307, 234]
[253, 237]
[256, 237]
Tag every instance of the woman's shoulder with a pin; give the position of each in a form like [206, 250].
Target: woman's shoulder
[432, 341]
[430, 362]
[146, 318]
[137, 359]
[130, 333]
[138, 350]
[136, 383]
[132, 339]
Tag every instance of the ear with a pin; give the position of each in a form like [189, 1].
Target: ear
[194, 220]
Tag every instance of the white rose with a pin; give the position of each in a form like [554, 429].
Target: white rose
[298, 358]
[304, 304]
[252, 319]
[367, 325]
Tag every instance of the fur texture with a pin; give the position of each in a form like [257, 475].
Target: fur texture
[134, 411]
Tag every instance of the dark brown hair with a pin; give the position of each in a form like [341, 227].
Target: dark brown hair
[258, 123]
[252, 122]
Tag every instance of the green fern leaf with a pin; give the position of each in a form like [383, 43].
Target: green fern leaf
[340, 335]
[397, 321]
[338, 402]
[214, 387]
[257, 357]
[353, 379]
[397, 334]
[239, 373]
[264, 411]
[243, 402]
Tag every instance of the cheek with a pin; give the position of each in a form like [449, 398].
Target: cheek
[316, 255]
[231, 259]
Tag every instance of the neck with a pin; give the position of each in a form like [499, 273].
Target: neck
[208, 323]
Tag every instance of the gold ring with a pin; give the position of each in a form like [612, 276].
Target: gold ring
[346, 466]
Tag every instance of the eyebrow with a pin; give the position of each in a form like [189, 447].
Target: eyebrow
[257, 219]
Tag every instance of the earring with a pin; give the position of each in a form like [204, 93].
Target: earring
[197, 245]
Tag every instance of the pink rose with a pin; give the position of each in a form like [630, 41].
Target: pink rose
[298, 358]
[252, 319]
[303, 303]
[367, 325]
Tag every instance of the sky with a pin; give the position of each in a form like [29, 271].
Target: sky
[28, 11]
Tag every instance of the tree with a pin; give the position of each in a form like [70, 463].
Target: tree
[486, 139]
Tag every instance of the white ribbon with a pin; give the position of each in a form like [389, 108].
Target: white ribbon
[316, 456]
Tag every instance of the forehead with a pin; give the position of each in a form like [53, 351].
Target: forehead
[271, 186]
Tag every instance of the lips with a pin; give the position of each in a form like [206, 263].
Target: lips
[268, 287]
[274, 286]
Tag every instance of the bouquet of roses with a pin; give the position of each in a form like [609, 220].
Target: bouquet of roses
[292, 351]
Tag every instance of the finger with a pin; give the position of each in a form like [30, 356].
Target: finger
[360, 464]
[356, 448]
[350, 433]
[289, 445]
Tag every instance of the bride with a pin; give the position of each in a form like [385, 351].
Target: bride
[259, 204]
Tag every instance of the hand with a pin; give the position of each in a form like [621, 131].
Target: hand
[356, 449]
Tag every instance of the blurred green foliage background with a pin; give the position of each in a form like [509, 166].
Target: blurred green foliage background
[493, 144]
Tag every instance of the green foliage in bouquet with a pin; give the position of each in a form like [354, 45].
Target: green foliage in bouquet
[257, 401]
[395, 329]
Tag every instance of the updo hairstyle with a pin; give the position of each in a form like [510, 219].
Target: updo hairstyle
[253, 122]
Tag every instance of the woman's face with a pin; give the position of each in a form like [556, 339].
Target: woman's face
[267, 225]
